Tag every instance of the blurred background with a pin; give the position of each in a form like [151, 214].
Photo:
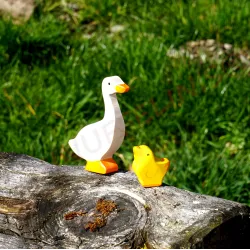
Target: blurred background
[187, 64]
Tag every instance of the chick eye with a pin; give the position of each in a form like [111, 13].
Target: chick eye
[147, 154]
[109, 83]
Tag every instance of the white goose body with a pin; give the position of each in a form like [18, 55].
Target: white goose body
[100, 140]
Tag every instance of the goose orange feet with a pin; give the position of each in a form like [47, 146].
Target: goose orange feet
[102, 167]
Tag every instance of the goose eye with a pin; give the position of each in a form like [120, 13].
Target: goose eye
[109, 83]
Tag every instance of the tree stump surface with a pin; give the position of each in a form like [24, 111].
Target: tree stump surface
[47, 206]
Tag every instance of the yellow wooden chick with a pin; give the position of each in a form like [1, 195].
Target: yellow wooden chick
[149, 170]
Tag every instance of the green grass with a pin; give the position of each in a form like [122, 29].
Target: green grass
[195, 114]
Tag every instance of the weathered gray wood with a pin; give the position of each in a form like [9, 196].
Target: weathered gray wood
[34, 197]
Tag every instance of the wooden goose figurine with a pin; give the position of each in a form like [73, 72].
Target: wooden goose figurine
[97, 142]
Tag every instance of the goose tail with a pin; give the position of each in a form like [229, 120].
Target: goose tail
[73, 146]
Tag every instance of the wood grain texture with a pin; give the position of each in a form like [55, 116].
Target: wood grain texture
[35, 196]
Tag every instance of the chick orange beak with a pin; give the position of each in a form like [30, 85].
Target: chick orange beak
[122, 88]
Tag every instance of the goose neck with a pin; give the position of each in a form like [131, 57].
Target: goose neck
[112, 108]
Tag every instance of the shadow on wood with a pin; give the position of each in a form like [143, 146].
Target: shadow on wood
[35, 197]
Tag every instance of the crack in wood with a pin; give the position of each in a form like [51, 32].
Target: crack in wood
[15, 206]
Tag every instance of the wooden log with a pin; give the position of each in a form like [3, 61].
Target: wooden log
[47, 206]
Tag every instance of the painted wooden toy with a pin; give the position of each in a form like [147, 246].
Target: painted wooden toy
[97, 142]
[149, 170]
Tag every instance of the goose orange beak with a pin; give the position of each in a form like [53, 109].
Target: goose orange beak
[122, 88]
